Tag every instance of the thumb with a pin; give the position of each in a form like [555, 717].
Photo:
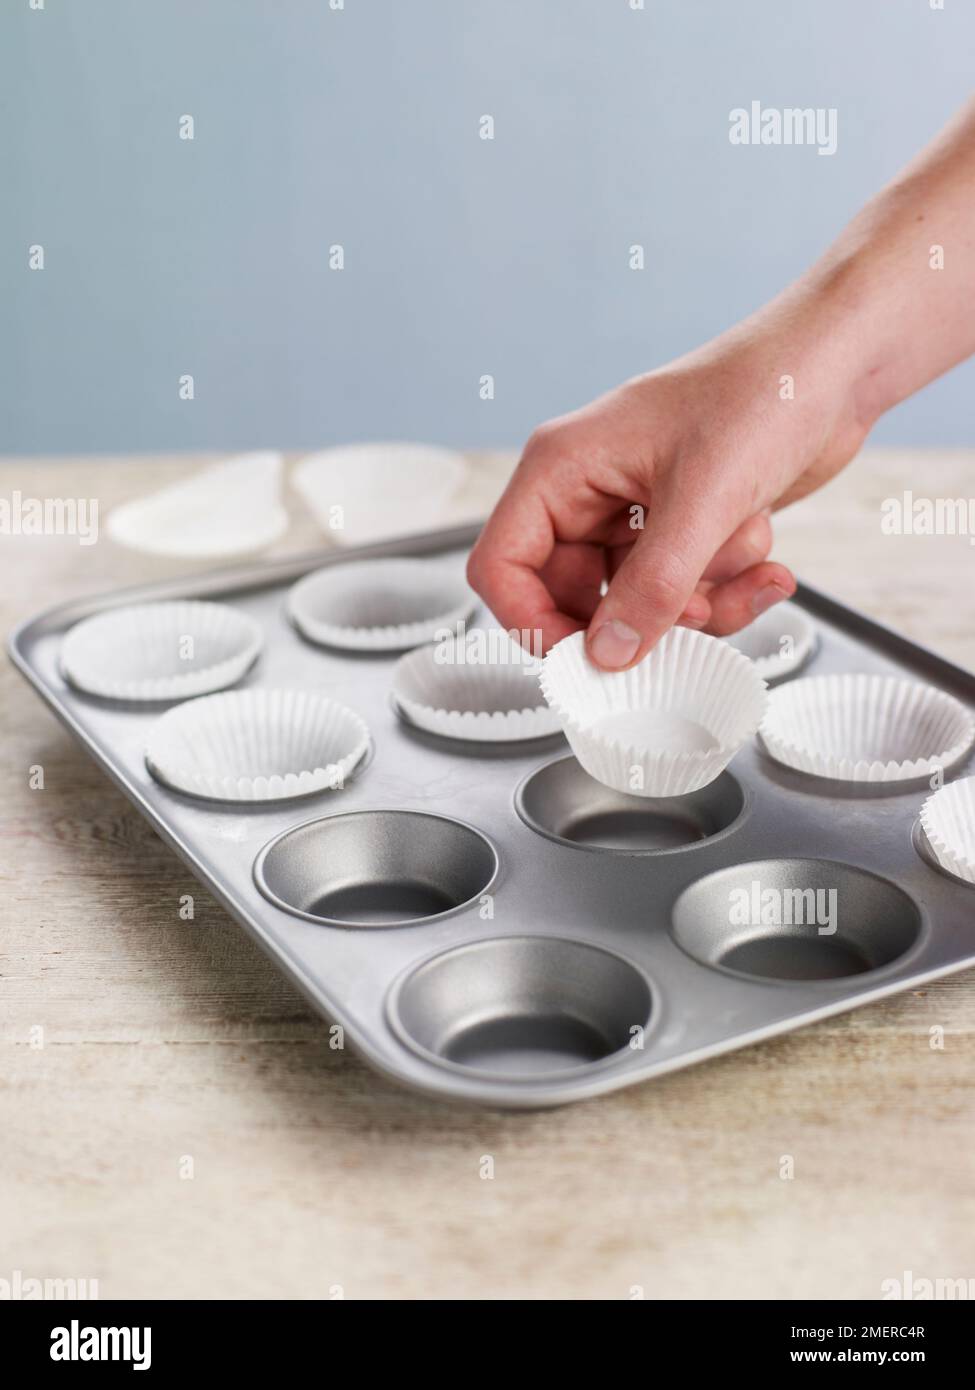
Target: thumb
[656, 581]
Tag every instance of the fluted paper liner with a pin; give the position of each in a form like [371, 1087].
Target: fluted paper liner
[379, 605]
[948, 821]
[230, 509]
[866, 728]
[160, 651]
[779, 641]
[481, 687]
[256, 745]
[369, 492]
[669, 725]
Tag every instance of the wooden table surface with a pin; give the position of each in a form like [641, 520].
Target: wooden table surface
[312, 1177]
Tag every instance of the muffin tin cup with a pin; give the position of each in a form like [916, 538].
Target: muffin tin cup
[666, 727]
[160, 651]
[561, 801]
[257, 745]
[866, 728]
[796, 921]
[379, 605]
[376, 868]
[478, 688]
[522, 1009]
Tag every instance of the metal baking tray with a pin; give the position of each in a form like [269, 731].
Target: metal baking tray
[573, 970]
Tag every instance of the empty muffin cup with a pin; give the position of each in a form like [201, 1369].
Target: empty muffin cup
[376, 868]
[379, 605]
[257, 745]
[666, 727]
[521, 1007]
[779, 641]
[481, 686]
[866, 728]
[795, 920]
[160, 651]
[948, 821]
[562, 802]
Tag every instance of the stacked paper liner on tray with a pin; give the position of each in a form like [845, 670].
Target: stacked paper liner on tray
[669, 725]
[368, 492]
[230, 509]
[379, 605]
[779, 642]
[866, 728]
[160, 651]
[948, 822]
[482, 686]
[257, 745]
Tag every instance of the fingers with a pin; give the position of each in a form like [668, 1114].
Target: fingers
[506, 564]
[738, 601]
[552, 510]
[697, 610]
[574, 575]
[519, 599]
[746, 547]
[656, 581]
[542, 558]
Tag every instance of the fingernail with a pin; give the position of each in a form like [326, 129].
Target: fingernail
[765, 598]
[614, 644]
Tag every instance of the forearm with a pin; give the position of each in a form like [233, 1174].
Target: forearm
[868, 324]
[899, 283]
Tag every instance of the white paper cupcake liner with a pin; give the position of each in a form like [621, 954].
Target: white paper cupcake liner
[481, 687]
[160, 651]
[866, 728]
[948, 821]
[369, 492]
[379, 605]
[257, 745]
[779, 641]
[230, 509]
[669, 725]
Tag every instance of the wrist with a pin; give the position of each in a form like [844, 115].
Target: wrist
[850, 317]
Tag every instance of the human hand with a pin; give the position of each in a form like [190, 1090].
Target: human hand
[662, 489]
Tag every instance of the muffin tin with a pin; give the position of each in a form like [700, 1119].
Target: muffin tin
[489, 924]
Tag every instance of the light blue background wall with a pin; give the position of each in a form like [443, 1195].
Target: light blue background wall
[462, 256]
